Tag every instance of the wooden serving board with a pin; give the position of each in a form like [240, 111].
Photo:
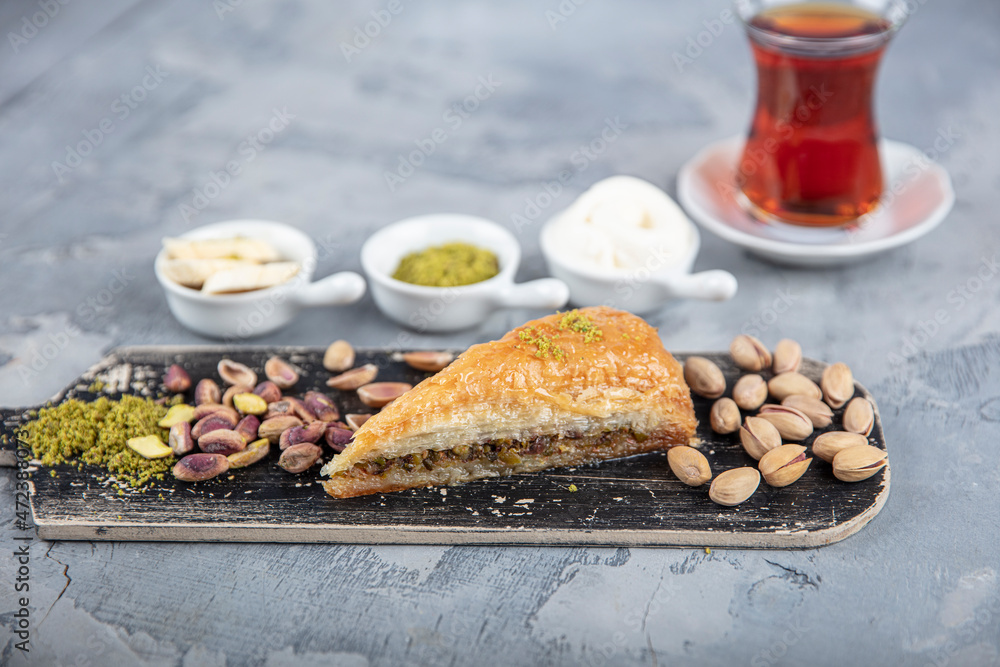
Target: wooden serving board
[630, 502]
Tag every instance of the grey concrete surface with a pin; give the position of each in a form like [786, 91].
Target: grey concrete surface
[918, 586]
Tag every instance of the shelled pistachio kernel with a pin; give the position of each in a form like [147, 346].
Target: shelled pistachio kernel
[200, 467]
[255, 451]
[177, 414]
[250, 404]
[149, 447]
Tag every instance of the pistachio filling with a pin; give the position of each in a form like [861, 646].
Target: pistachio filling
[506, 451]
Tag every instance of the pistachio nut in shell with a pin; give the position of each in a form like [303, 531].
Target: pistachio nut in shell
[176, 379]
[690, 465]
[724, 416]
[222, 442]
[787, 356]
[199, 467]
[273, 428]
[338, 357]
[855, 464]
[792, 424]
[298, 458]
[279, 408]
[818, 412]
[354, 378]
[281, 373]
[377, 394]
[750, 391]
[759, 436]
[827, 445]
[788, 384]
[207, 392]
[784, 465]
[859, 416]
[749, 353]
[356, 421]
[837, 384]
[704, 377]
[734, 486]
[233, 372]
[428, 361]
[255, 451]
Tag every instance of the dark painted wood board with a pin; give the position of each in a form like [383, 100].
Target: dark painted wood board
[632, 502]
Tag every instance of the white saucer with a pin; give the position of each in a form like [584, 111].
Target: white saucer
[923, 197]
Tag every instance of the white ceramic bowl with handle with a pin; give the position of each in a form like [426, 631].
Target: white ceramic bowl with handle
[439, 309]
[255, 313]
[641, 290]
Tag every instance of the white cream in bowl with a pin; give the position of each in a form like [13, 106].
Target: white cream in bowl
[626, 243]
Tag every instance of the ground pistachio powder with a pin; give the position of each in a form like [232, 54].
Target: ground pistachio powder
[95, 432]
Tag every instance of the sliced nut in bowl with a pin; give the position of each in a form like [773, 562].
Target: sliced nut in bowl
[246, 314]
[625, 243]
[438, 309]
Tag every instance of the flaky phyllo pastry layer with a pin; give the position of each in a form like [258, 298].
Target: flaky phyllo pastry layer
[567, 389]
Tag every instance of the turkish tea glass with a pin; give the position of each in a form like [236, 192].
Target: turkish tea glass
[811, 157]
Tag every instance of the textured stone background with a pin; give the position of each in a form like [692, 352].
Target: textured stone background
[919, 585]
